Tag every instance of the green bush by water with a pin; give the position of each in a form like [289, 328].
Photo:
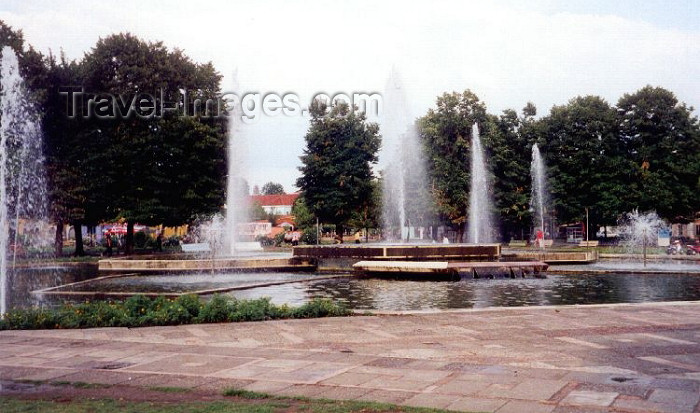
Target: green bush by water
[141, 311]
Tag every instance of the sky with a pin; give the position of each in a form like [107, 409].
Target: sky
[507, 52]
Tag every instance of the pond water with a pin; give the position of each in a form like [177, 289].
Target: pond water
[399, 295]
[382, 294]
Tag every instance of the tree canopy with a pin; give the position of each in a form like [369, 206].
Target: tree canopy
[112, 151]
[604, 159]
[273, 188]
[446, 134]
[336, 167]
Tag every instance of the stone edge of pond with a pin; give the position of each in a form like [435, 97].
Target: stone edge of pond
[360, 312]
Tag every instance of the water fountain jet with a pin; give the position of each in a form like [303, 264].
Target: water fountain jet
[539, 201]
[21, 167]
[480, 206]
[406, 199]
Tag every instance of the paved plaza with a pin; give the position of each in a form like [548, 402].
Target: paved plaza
[618, 358]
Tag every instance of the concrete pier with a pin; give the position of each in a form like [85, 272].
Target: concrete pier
[471, 269]
[257, 263]
[343, 257]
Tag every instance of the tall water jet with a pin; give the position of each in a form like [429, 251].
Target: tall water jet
[236, 185]
[406, 201]
[22, 185]
[480, 207]
[539, 200]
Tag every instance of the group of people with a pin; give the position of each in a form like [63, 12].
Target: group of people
[112, 240]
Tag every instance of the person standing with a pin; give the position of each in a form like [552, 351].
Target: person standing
[108, 243]
[159, 242]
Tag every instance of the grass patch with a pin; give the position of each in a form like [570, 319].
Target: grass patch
[246, 394]
[16, 405]
[165, 389]
[142, 311]
[80, 384]
[238, 400]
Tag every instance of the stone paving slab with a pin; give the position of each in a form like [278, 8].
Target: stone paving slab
[602, 358]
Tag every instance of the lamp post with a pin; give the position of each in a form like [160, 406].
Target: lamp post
[588, 245]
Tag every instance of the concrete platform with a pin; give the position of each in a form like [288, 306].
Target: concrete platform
[596, 358]
[470, 268]
[421, 252]
[553, 257]
[257, 263]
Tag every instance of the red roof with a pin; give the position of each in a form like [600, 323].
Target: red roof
[275, 200]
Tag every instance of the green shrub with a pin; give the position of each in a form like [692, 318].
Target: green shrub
[139, 310]
[309, 236]
[279, 239]
[191, 303]
[319, 307]
[217, 310]
[169, 312]
[251, 310]
[31, 318]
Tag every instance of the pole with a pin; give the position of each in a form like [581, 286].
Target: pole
[587, 243]
[318, 236]
[644, 246]
[543, 231]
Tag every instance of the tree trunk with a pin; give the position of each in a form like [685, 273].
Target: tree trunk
[339, 229]
[58, 240]
[129, 245]
[79, 249]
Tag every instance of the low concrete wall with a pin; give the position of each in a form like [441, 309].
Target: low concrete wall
[242, 264]
[340, 258]
[556, 257]
[415, 252]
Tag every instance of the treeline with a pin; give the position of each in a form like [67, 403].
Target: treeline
[154, 166]
[116, 144]
[643, 153]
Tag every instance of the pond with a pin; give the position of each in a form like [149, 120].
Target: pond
[399, 295]
[363, 293]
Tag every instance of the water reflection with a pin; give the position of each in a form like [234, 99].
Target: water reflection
[380, 294]
[177, 283]
[22, 281]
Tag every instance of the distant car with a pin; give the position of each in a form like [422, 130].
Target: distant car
[692, 249]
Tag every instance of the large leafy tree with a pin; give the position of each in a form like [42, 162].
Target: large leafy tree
[507, 138]
[71, 180]
[660, 139]
[337, 163]
[446, 134]
[579, 141]
[161, 169]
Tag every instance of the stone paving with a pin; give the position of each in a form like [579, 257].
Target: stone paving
[617, 358]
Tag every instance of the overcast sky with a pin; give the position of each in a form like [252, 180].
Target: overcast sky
[507, 52]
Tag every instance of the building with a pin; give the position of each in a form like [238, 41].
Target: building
[276, 204]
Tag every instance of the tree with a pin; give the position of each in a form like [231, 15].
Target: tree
[660, 139]
[303, 217]
[160, 169]
[70, 179]
[336, 172]
[273, 188]
[446, 134]
[506, 137]
[579, 141]
[370, 212]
